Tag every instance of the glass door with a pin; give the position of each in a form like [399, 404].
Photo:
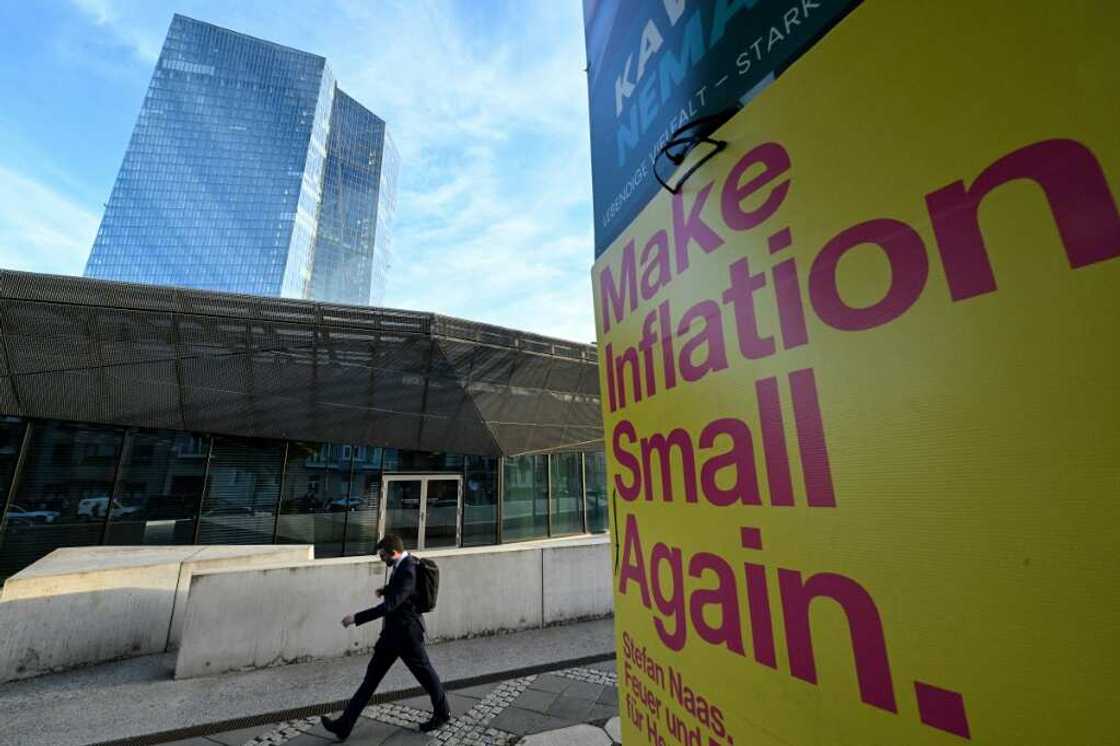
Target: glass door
[422, 509]
[401, 510]
[441, 514]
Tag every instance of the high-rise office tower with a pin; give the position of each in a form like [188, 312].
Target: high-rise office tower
[250, 171]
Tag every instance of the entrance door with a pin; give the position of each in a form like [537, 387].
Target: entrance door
[422, 509]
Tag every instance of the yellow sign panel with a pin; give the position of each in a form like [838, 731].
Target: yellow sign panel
[861, 399]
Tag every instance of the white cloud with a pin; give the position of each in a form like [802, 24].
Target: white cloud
[42, 230]
[144, 41]
[494, 218]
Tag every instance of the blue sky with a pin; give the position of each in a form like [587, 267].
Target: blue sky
[487, 102]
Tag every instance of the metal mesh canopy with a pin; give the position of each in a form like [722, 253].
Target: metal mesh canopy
[162, 357]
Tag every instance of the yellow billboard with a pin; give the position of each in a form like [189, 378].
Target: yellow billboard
[861, 394]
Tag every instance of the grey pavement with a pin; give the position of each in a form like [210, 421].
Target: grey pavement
[140, 696]
[571, 707]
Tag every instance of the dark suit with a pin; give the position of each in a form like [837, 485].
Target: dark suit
[402, 636]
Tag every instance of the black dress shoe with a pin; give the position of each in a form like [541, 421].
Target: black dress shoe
[335, 727]
[438, 721]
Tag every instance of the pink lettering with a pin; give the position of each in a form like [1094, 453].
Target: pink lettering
[810, 439]
[692, 228]
[625, 460]
[904, 250]
[672, 605]
[614, 296]
[740, 457]
[866, 628]
[1079, 198]
[729, 631]
[633, 561]
[774, 161]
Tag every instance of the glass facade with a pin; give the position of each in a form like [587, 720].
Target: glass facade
[525, 498]
[241, 150]
[316, 498]
[480, 501]
[595, 473]
[359, 186]
[17, 519]
[566, 474]
[66, 484]
[242, 490]
[159, 489]
[365, 501]
[61, 495]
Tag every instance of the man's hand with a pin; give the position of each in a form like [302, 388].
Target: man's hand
[380, 592]
[347, 620]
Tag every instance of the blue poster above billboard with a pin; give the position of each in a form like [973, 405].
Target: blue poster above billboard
[657, 66]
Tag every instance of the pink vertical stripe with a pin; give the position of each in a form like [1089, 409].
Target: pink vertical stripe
[810, 439]
[774, 442]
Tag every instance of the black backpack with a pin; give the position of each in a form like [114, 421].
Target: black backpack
[427, 585]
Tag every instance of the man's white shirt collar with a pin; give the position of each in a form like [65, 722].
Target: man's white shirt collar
[397, 564]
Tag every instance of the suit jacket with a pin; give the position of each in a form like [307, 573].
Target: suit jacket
[396, 606]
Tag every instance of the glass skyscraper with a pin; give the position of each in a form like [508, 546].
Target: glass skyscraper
[250, 171]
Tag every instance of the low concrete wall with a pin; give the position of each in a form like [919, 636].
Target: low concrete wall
[58, 622]
[272, 616]
[485, 593]
[240, 620]
[85, 605]
[225, 558]
[578, 582]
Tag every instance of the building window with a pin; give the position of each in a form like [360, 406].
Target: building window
[525, 498]
[567, 493]
[362, 518]
[595, 471]
[63, 496]
[188, 445]
[242, 492]
[316, 500]
[480, 500]
[13, 518]
[159, 490]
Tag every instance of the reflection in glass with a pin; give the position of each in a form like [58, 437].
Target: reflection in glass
[15, 518]
[159, 489]
[242, 491]
[63, 495]
[480, 501]
[525, 498]
[316, 497]
[402, 459]
[567, 493]
[441, 514]
[352, 240]
[402, 510]
[595, 469]
[361, 519]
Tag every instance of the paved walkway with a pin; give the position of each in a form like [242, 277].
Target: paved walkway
[570, 707]
[139, 697]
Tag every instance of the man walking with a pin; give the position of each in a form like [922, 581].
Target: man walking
[402, 636]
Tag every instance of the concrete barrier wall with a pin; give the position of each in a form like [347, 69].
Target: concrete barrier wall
[247, 619]
[486, 593]
[577, 582]
[272, 616]
[86, 618]
[86, 605]
[224, 558]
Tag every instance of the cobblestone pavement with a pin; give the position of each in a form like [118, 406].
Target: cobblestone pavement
[572, 707]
